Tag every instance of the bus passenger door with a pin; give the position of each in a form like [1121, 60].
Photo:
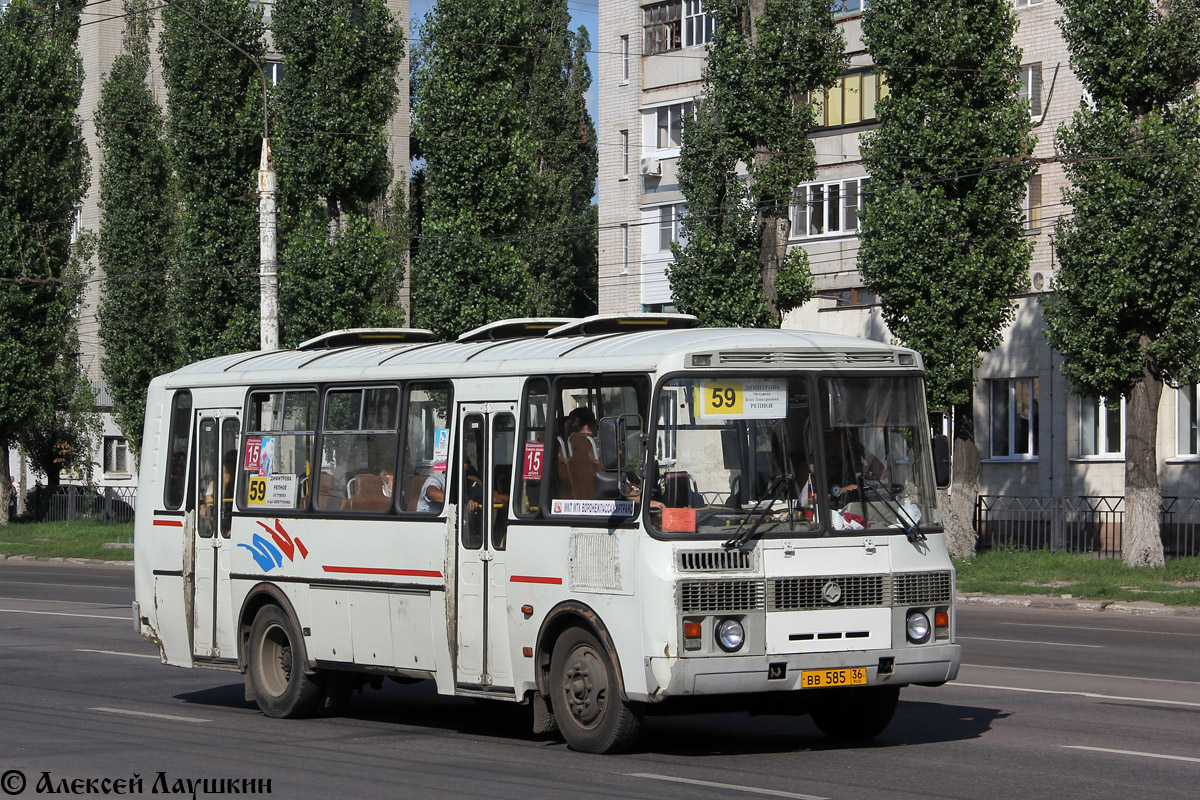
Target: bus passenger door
[212, 614]
[484, 480]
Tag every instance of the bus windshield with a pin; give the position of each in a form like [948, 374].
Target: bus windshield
[732, 452]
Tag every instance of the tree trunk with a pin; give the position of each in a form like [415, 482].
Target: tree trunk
[6, 490]
[958, 503]
[1141, 538]
[774, 226]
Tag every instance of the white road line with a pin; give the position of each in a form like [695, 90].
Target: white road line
[1090, 628]
[127, 712]
[68, 602]
[68, 585]
[1138, 678]
[1092, 695]
[117, 653]
[728, 786]
[1130, 753]
[126, 618]
[1023, 641]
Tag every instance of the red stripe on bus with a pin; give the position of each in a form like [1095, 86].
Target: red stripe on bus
[169, 523]
[414, 573]
[535, 579]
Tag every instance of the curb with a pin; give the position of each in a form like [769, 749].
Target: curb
[65, 560]
[1068, 604]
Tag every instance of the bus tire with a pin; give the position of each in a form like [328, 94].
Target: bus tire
[275, 666]
[855, 714]
[586, 697]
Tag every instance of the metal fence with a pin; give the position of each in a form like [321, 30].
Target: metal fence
[70, 503]
[1089, 524]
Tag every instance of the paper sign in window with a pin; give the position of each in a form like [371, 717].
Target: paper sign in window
[679, 520]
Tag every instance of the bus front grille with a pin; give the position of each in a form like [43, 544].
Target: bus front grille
[840, 591]
[921, 588]
[714, 597]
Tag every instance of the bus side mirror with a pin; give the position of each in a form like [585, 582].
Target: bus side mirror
[612, 444]
[941, 461]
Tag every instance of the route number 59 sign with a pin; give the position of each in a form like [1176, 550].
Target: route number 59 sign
[745, 399]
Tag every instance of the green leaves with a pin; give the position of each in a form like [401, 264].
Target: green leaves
[742, 156]
[941, 240]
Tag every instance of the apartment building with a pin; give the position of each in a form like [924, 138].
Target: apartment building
[1037, 439]
[101, 34]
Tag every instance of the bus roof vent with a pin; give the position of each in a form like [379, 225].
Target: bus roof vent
[355, 336]
[752, 358]
[625, 323]
[523, 328]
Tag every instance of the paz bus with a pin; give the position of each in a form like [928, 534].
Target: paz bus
[599, 518]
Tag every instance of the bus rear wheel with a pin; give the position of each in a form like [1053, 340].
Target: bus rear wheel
[275, 666]
[586, 697]
[855, 714]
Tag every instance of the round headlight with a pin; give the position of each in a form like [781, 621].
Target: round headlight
[730, 635]
[917, 627]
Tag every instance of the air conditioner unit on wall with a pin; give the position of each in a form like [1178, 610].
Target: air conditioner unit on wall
[650, 165]
[1040, 281]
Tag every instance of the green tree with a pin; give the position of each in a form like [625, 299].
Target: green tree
[340, 268]
[942, 233]
[137, 322]
[43, 177]
[1126, 307]
[214, 101]
[742, 157]
[509, 164]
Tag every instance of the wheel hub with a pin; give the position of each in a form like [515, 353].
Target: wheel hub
[584, 687]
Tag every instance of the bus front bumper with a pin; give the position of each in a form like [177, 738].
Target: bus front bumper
[721, 675]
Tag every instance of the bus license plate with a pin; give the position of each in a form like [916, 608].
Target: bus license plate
[822, 678]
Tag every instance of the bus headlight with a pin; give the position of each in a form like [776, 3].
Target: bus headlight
[730, 635]
[917, 627]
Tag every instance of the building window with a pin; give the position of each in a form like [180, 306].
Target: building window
[662, 127]
[1015, 418]
[624, 248]
[274, 72]
[674, 25]
[828, 209]
[851, 100]
[624, 154]
[624, 59]
[1033, 204]
[1188, 424]
[116, 455]
[854, 296]
[670, 226]
[847, 8]
[1026, 3]
[1101, 427]
[76, 224]
[1031, 88]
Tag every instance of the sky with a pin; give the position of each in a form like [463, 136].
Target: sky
[583, 12]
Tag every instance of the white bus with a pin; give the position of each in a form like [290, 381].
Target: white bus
[600, 518]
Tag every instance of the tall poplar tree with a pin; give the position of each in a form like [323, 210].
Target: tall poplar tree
[743, 155]
[137, 324]
[509, 163]
[942, 233]
[215, 106]
[43, 177]
[339, 267]
[1126, 307]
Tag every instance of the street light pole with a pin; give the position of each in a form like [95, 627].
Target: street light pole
[268, 274]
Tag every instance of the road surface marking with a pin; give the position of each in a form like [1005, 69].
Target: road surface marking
[68, 602]
[1090, 628]
[67, 585]
[171, 717]
[1084, 674]
[1024, 641]
[116, 653]
[729, 786]
[1093, 695]
[125, 618]
[1130, 753]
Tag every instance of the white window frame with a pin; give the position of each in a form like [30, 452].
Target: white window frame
[679, 24]
[1031, 88]
[1005, 394]
[847, 8]
[1187, 421]
[115, 446]
[802, 216]
[697, 24]
[625, 59]
[1097, 408]
[670, 224]
[1027, 3]
[674, 115]
[1032, 205]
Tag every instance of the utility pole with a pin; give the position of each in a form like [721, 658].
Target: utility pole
[268, 273]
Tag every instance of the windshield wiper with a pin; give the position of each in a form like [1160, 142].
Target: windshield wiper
[739, 537]
[911, 529]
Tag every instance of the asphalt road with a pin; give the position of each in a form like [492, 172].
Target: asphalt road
[1049, 704]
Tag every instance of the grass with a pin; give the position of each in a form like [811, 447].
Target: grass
[1040, 572]
[80, 539]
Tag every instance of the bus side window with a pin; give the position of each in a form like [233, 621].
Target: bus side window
[579, 406]
[426, 447]
[177, 449]
[533, 455]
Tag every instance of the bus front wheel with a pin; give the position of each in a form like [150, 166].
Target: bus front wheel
[275, 666]
[855, 714]
[586, 697]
